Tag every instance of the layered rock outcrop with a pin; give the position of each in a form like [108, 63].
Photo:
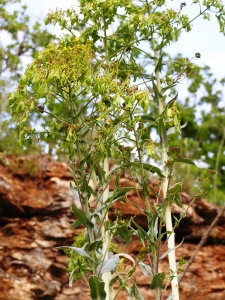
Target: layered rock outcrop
[35, 211]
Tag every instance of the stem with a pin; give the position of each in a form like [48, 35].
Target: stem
[168, 217]
[217, 164]
[87, 213]
[203, 241]
[106, 277]
[141, 164]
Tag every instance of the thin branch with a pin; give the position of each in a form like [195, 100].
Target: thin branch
[202, 242]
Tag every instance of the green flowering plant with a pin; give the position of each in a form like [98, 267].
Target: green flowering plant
[94, 98]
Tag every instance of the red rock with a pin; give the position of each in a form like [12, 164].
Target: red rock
[36, 217]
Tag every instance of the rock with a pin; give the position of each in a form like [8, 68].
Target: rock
[35, 219]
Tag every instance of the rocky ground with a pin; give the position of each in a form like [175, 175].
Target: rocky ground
[35, 211]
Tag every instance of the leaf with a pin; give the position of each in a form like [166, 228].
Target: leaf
[171, 102]
[159, 64]
[74, 191]
[175, 189]
[109, 264]
[71, 278]
[86, 189]
[145, 269]
[147, 118]
[80, 251]
[142, 235]
[96, 288]
[80, 215]
[170, 250]
[178, 201]
[155, 88]
[100, 172]
[173, 130]
[136, 292]
[113, 171]
[155, 229]
[148, 167]
[95, 245]
[138, 207]
[124, 233]
[75, 224]
[186, 161]
[157, 281]
[119, 194]
[170, 86]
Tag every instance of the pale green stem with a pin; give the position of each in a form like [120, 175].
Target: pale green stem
[88, 215]
[142, 169]
[217, 164]
[168, 217]
[106, 277]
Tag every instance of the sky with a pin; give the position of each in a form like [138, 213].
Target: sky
[204, 38]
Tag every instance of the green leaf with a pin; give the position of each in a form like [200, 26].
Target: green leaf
[171, 102]
[95, 245]
[148, 167]
[135, 292]
[147, 118]
[86, 189]
[186, 161]
[75, 224]
[100, 172]
[124, 233]
[159, 64]
[157, 281]
[158, 95]
[80, 215]
[142, 235]
[175, 189]
[96, 288]
[119, 195]
[178, 201]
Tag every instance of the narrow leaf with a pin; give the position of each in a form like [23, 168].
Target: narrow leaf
[136, 292]
[171, 102]
[172, 130]
[148, 167]
[75, 224]
[80, 215]
[74, 191]
[95, 245]
[110, 264]
[159, 64]
[80, 251]
[175, 189]
[146, 269]
[170, 250]
[119, 194]
[178, 201]
[147, 118]
[141, 232]
[186, 161]
[96, 288]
